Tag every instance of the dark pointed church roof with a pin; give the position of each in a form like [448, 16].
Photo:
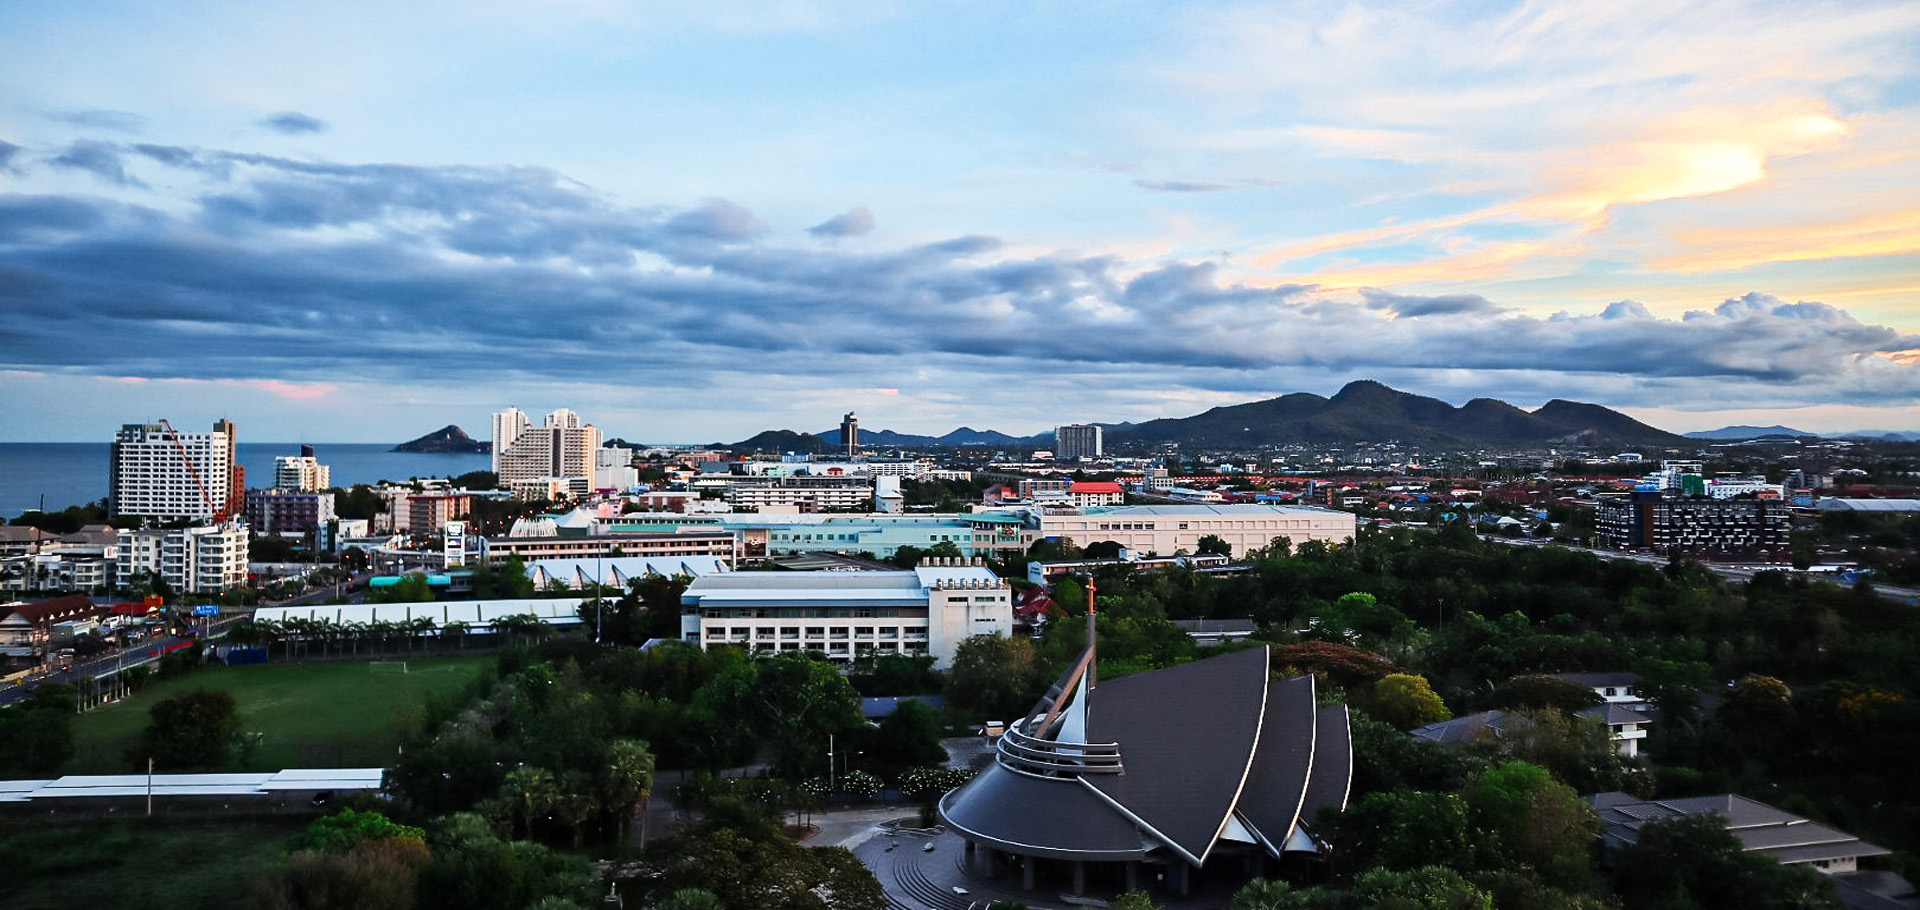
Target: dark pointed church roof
[1174, 761]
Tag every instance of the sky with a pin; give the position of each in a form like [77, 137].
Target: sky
[358, 222]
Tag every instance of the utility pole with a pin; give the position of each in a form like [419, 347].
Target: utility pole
[149, 786]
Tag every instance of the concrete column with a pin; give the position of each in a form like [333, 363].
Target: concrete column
[1079, 876]
[1026, 871]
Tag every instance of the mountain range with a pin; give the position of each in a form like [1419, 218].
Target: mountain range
[1363, 411]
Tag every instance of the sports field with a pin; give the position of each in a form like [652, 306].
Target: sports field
[319, 715]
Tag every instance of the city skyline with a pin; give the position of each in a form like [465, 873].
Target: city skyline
[352, 223]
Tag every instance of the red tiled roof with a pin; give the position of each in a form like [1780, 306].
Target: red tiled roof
[60, 608]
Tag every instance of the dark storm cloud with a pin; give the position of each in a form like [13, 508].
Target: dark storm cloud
[101, 159]
[117, 121]
[853, 223]
[303, 270]
[293, 123]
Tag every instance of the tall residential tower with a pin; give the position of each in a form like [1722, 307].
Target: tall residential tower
[155, 471]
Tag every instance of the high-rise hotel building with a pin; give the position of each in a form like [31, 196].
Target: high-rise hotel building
[1076, 441]
[561, 447]
[302, 472]
[158, 472]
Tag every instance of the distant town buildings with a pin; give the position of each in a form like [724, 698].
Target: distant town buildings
[1076, 442]
[157, 472]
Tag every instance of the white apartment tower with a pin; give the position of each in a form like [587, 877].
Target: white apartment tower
[562, 447]
[507, 427]
[1076, 441]
[201, 560]
[302, 472]
[157, 472]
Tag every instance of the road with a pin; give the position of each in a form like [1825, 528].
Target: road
[109, 663]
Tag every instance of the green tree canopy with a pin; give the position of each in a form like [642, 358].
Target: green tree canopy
[191, 732]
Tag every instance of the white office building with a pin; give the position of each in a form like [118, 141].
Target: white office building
[156, 472]
[928, 610]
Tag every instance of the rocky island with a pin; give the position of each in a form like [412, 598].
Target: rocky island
[449, 439]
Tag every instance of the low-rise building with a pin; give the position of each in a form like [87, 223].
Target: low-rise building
[429, 512]
[26, 629]
[274, 510]
[200, 560]
[698, 542]
[928, 610]
[1776, 834]
[1166, 530]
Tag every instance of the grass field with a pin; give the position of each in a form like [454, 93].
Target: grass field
[306, 715]
[137, 865]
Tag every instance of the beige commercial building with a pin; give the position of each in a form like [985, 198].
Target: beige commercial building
[1166, 530]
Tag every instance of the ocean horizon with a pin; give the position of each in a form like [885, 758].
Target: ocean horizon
[62, 474]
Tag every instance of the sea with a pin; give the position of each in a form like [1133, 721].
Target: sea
[61, 474]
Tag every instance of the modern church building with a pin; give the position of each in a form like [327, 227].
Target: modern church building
[1204, 770]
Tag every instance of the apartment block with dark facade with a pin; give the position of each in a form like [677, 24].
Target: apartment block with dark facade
[1649, 519]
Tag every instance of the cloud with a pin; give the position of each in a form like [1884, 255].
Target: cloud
[290, 275]
[100, 159]
[7, 152]
[717, 219]
[293, 123]
[1413, 306]
[854, 223]
[115, 121]
[1180, 186]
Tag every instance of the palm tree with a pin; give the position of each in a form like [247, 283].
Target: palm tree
[627, 781]
[419, 627]
[457, 630]
[531, 792]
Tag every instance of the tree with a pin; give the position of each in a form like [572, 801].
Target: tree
[1135, 900]
[1538, 823]
[36, 736]
[994, 675]
[909, 736]
[626, 782]
[350, 828]
[1694, 861]
[377, 874]
[191, 732]
[1422, 888]
[528, 793]
[1405, 701]
[411, 588]
[692, 899]
[1213, 543]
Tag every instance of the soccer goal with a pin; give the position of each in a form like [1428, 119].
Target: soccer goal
[387, 666]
